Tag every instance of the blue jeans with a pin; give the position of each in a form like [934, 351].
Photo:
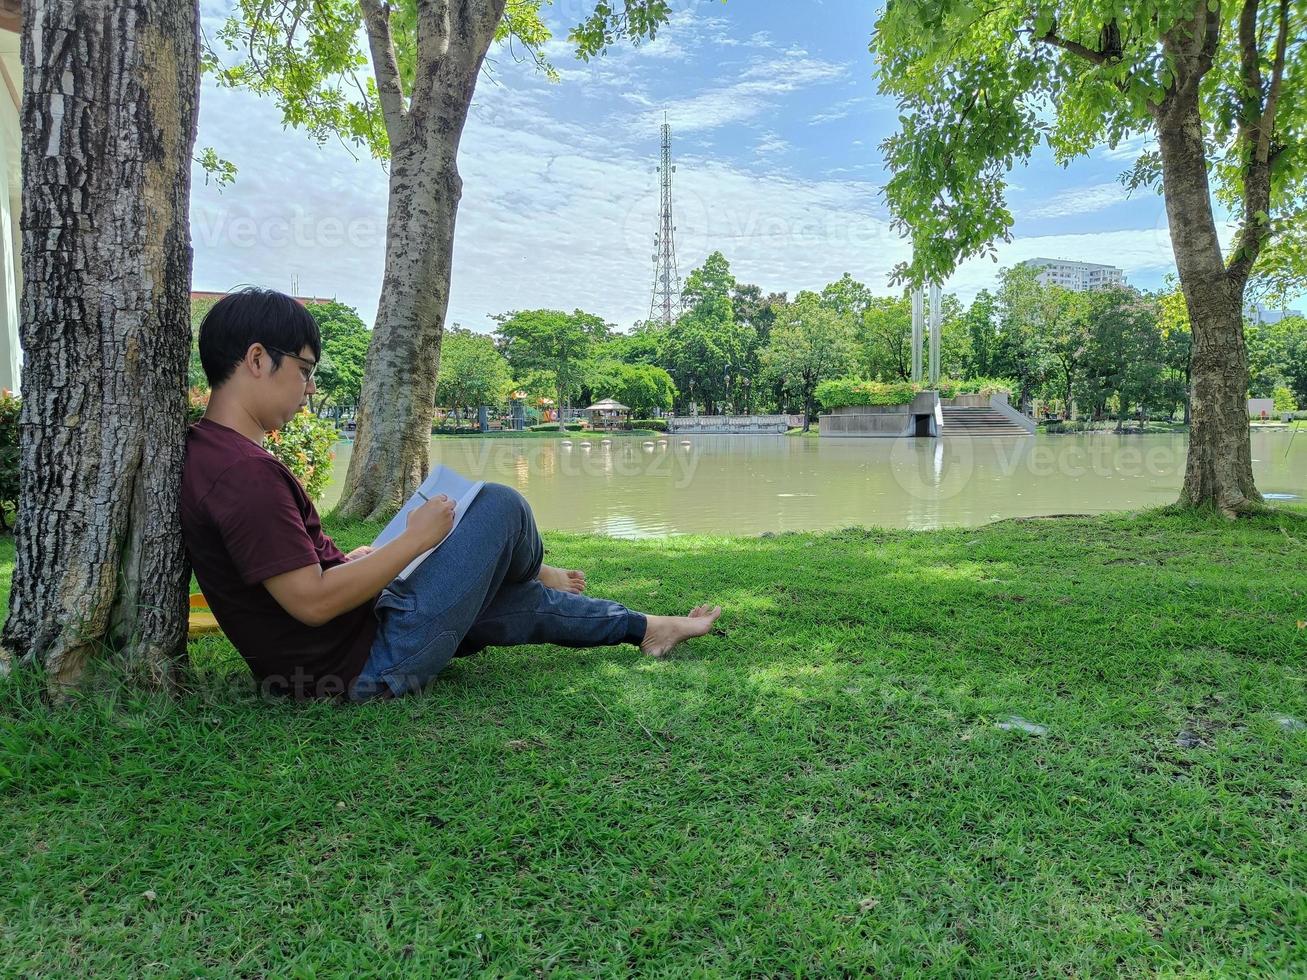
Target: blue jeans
[479, 589]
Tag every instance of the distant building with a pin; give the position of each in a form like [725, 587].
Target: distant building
[203, 295]
[1263, 314]
[1075, 276]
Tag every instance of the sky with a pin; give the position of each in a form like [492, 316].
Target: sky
[776, 126]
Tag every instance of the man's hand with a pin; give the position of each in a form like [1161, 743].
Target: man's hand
[431, 522]
[360, 552]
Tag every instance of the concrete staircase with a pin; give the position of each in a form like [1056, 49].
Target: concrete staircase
[978, 422]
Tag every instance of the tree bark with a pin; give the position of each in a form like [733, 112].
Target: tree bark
[108, 124]
[1218, 470]
[397, 401]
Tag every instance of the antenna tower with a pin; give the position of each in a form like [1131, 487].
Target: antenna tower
[665, 306]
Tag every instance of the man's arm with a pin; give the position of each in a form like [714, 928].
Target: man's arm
[316, 596]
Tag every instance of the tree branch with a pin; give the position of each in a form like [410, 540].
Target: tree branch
[390, 89]
[1267, 125]
[1256, 125]
[1075, 47]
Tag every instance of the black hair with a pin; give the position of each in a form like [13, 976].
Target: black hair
[253, 315]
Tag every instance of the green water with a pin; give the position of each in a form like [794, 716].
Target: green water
[748, 484]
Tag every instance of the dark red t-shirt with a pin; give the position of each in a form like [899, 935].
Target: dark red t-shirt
[245, 519]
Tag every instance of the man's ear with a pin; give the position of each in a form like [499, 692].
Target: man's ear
[257, 360]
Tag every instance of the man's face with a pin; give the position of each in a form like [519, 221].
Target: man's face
[287, 389]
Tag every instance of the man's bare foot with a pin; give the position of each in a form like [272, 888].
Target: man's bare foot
[662, 633]
[562, 579]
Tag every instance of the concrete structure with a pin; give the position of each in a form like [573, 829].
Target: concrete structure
[1078, 277]
[930, 416]
[922, 417]
[11, 195]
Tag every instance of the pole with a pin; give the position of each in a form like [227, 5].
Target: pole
[934, 334]
[917, 317]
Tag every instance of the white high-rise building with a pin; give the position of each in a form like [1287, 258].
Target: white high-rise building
[1075, 276]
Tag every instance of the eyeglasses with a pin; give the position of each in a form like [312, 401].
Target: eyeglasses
[305, 373]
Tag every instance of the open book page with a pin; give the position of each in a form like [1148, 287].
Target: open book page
[442, 479]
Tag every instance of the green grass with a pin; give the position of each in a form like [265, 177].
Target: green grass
[820, 788]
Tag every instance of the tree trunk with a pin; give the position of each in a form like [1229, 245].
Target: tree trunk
[108, 123]
[1218, 470]
[397, 401]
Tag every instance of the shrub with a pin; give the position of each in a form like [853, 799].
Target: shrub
[546, 426]
[1284, 400]
[197, 401]
[305, 444]
[10, 407]
[839, 392]
[952, 387]
[658, 425]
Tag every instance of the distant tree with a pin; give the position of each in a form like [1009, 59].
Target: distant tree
[550, 340]
[884, 338]
[643, 388]
[640, 346]
[847, 297]
[708, 353]
[754, 309]
[1295, 357]
[1026, 313]
[345, 341]
[1177, 343]
[980, 322]
[473, 372]
[810, 342]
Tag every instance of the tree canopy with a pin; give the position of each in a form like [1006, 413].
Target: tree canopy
[981, 86]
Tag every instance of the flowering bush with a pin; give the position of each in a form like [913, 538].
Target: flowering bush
[305, 444]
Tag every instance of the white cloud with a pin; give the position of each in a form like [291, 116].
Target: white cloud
[1078, 200]
[839, 110]
[1127, 149]
[770, 144]
[756, 91]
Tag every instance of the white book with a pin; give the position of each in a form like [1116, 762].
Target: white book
[442, 479]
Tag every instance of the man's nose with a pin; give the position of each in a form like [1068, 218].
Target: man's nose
[312, 387]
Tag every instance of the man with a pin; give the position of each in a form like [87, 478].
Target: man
[313, 622]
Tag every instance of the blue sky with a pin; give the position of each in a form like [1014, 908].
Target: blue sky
[776, 128]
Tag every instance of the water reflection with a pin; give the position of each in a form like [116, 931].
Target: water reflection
[747, 484]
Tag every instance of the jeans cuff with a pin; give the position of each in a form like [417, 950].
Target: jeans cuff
[636, 626]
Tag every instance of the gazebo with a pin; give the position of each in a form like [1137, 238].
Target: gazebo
[607, 414]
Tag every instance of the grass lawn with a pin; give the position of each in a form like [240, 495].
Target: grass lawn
[823, 786]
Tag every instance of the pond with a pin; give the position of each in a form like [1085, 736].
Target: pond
[749, 484]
